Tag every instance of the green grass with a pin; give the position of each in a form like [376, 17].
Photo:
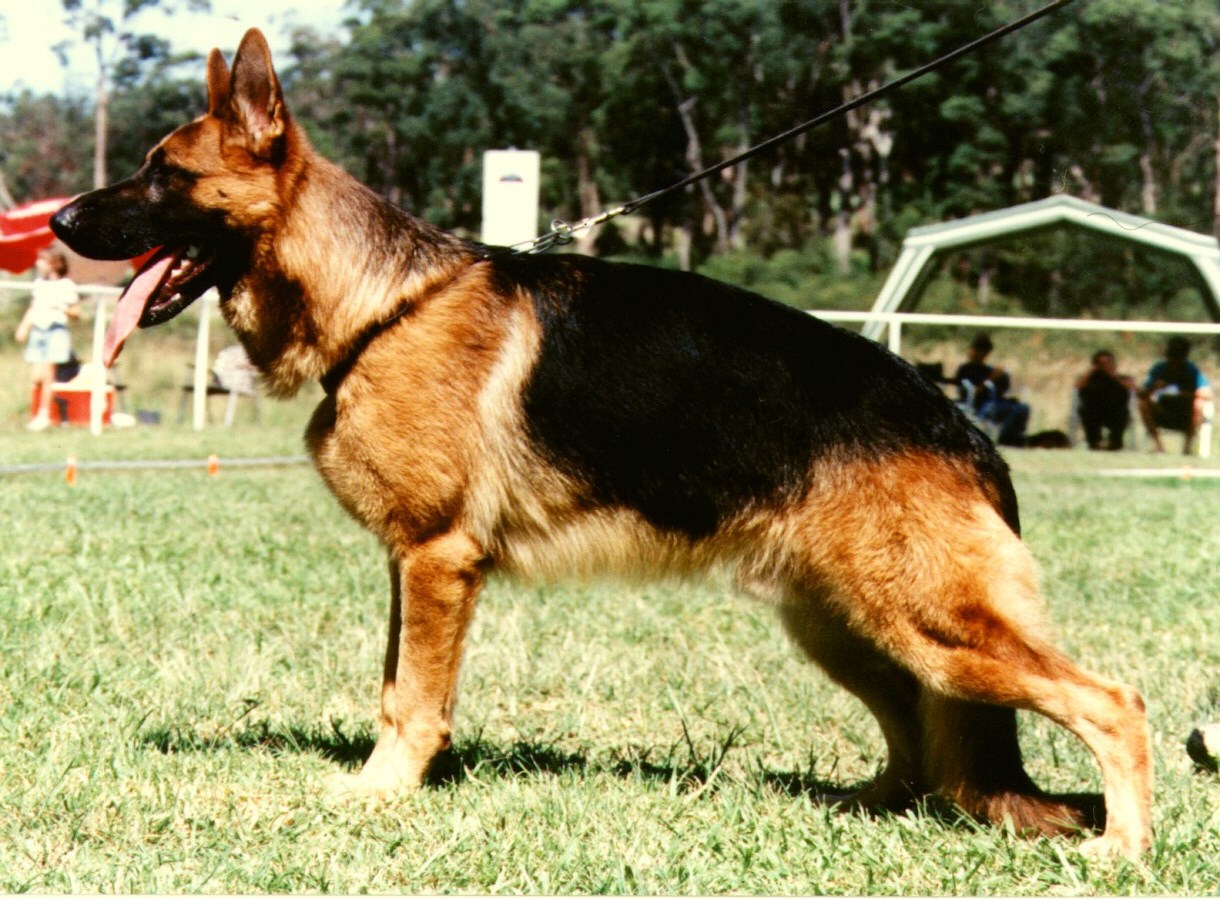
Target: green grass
[186, 658]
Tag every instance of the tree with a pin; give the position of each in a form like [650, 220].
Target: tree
[1114, 100]
[105, 25]
[40, 147]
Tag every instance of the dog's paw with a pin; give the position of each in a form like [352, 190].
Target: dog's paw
[378, 784]
[346, 786]
[1105, 848]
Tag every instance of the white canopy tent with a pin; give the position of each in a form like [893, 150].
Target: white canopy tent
[923, 246]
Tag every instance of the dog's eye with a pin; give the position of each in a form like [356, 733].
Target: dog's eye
[174, 176]
[163, 174]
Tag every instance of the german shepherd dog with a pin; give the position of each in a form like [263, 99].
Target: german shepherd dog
[561, 415]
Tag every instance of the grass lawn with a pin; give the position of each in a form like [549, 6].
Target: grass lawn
[185, 658]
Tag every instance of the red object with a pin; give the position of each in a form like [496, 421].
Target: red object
[75, 402]
[26, 229]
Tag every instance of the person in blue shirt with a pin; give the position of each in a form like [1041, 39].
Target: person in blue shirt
[986, 386]
[1174, 394]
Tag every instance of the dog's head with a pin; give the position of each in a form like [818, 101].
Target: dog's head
[201, 199]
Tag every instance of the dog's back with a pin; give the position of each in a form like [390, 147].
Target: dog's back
[688, 399]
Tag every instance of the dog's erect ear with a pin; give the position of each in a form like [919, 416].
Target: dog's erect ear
[256, 101]
[218, 84]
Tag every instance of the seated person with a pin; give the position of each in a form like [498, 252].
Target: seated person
[1174, 394]
[1105, 402]
[989, 400]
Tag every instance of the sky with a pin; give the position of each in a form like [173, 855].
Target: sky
[30, 28]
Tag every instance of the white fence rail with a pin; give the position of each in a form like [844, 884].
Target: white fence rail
[894, 321]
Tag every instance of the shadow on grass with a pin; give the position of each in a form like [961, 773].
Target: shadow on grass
[689, 766]
[330, 743]
[350, 751]
[476, 758]
[692, 769]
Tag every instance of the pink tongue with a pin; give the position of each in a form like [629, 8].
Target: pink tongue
[132, 302]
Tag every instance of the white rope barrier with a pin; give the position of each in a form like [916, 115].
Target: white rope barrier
[212, 464]
[1187, 473]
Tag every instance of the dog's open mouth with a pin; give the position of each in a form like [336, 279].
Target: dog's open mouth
[166, 284]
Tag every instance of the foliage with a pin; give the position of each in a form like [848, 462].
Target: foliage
[121, 55]
[41, 150]
[1111, 100]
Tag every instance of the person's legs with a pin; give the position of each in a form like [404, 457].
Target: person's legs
[1148, 416]
[46, 349]
[1117, 417]
[42, 376]
[1177, 412]
[1091, 420]
[1012, 417]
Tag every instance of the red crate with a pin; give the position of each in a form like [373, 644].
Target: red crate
[76, 400]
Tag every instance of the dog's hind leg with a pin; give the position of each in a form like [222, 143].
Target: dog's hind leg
[888, 691]
[916, 558]
[432, 595]
[969, 631]
[1012, 670]
[973, 758]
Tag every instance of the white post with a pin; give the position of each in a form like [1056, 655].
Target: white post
[200, 394]
[97, 389]
[511, 180]
[895, 335]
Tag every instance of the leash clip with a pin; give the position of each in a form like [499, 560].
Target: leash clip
[561, 234]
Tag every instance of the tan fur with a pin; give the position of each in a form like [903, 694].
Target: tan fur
[918, 567]
[896, 574]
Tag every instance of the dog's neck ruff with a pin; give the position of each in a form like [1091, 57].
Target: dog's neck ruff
[334, 376]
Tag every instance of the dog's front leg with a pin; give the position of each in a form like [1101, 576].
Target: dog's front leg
[432, 594]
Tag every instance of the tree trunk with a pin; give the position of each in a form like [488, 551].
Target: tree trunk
[1216, 182]
[586, 189]
[1087, 190]
[683, 241]
[6, 198]
[1148, 189]
[389, 167]
[694, 153]
[694, 158]
[100, 117]
[841, 239]
[740, 172]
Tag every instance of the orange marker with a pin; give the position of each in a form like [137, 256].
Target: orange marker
[70, 471]
[213, 465]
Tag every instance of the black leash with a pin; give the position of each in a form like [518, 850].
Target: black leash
[563, 233]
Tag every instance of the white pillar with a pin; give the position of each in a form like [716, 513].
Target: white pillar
[511, 180]
[200, 394]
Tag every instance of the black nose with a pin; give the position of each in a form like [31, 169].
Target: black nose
[63, 223]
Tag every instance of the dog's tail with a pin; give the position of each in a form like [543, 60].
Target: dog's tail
[971, 756]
